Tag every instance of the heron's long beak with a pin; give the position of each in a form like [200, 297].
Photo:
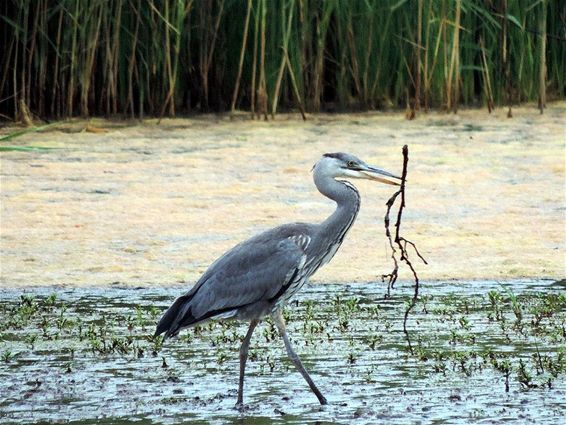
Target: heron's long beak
[373, 173]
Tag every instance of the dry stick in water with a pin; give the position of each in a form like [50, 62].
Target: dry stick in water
[401, 244]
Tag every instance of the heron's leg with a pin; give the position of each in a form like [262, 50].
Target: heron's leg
[243, 359]
[280, 323]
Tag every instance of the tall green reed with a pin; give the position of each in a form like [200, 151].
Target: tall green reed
[63, 58]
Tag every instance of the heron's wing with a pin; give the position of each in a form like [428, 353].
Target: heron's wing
[258, 269]
[253, 271]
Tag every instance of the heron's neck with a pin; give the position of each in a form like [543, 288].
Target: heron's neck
[347, 199]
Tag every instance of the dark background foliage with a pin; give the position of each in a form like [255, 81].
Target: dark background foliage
[63, 58]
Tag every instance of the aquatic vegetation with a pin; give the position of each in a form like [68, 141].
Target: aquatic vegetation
[7, 356]
[103, 341]
[499, 307]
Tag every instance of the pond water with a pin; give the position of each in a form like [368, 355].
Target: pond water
[484, 352]
[142, 203]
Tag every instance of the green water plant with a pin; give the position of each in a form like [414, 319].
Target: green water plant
[7, 356]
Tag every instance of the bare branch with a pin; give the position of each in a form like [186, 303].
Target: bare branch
[399, 246]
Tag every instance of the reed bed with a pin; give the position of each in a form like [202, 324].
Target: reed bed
[167, 57]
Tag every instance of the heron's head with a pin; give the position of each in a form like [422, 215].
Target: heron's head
[339, 164]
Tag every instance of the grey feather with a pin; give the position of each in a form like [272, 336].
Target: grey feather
[252, 271]
[258, 275]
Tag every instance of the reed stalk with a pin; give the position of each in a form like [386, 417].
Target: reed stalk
[284, 56]
[454, 71]
[542, 57]
[254, 61]
[242, 54]
[262, 99]
[418, 48]
[486, 78]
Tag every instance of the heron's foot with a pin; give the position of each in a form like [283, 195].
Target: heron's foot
[240, 406]
[322, 400]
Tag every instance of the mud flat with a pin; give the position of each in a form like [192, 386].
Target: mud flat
[142, 203]
[484, 352]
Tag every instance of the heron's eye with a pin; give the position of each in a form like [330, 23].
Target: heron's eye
[351, 164]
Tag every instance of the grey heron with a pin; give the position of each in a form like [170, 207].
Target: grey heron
[258, 276]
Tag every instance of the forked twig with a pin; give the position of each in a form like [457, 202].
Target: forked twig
[399, 245]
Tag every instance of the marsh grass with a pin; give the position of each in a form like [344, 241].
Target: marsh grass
[90, 345]
[522, 337]
[136, 57]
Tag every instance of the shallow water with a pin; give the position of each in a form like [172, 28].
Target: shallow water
[92, 361]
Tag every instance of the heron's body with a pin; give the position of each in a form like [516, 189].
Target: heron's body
[258, 276]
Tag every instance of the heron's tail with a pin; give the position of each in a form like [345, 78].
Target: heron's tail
[176, 317]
